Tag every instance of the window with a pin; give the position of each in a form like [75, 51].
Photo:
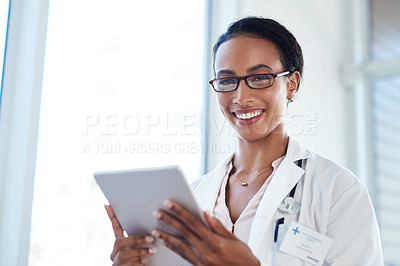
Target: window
[20, 104]
[384, 70]
[122, 89]
[385, 33]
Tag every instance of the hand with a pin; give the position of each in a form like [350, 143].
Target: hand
[126, 251]
[200, 245]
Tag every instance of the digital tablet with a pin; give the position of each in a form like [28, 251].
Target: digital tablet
[136, 194]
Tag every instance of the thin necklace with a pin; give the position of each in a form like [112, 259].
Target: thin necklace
[245, 184]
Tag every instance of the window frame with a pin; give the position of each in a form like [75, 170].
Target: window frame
[3, 45]
[19, 119]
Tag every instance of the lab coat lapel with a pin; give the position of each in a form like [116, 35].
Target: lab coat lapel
[208, 192]
[285, 178]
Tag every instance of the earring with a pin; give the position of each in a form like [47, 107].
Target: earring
[290, 99]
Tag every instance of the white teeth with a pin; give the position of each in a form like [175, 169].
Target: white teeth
[248, 115]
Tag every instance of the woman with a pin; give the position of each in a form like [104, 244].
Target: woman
[258, 66]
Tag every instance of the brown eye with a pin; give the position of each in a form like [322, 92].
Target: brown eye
[261, 78]
[226, 81]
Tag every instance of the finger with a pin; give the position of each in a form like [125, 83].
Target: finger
[218, 227]
[118, 231]
[143, 260]
[135, 256]
[178, 246]
[189, 235]
[135, 253]
[126, 243]
[189, 219]
[140, 261]
[132, 262]
[134, 240]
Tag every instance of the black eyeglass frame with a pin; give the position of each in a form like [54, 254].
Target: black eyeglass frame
[284, 73]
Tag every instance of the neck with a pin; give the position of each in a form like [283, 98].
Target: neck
[253, 156]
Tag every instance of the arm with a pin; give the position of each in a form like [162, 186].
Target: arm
[354, 229]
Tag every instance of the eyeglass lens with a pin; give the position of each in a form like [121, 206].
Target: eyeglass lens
[258, 81]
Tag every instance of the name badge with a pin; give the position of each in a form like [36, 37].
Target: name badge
[305, 244]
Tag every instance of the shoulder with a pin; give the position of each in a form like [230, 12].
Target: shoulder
[321, 166]
[344, 210]
[202, 180]
[330, 178]
[206, 188]
[320, 171]
[213, 177]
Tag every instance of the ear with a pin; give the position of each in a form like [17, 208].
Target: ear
[292, 84]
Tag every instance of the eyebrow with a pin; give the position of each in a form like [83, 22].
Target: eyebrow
[227, 72]
[250, 69]
[253, 68]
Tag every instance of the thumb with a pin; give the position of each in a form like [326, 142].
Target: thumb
[217, 227]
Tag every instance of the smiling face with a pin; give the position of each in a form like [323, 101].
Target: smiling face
[253, 113]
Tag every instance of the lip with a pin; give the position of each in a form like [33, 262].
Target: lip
[249, 121]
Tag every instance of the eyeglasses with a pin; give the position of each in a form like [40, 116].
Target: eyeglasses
[258, 81]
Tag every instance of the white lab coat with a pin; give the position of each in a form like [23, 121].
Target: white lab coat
[333, 202]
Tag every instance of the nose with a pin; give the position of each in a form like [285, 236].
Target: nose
[243, 94]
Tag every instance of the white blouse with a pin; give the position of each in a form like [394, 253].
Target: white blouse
[241, 228]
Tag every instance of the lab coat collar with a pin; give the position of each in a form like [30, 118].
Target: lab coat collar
[294, 153]
[285, 178]
[214, 178]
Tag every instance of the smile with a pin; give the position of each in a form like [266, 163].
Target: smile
[248, 115]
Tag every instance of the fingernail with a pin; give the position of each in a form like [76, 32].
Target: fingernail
[152, 250]
[155, 233]
[149, 239]
[157, 214]
[168, 204]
